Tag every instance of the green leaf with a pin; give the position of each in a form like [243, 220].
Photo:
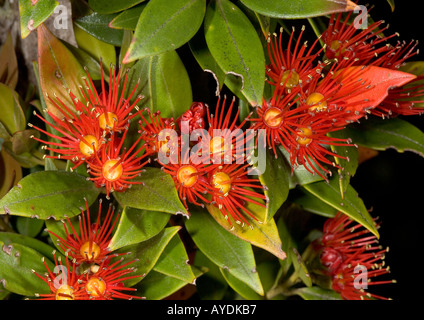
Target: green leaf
[263, 235]
[165, 26]
[348, 165]
[240, 287]
[315, 205]
[317, 293]
[224, 249]
[98, 26]
[10, 174]
[235, 45]
[8, 63]
[33, 14]
[11, 116]
[164, 83]
[158, 193]
[298, 9]
[157, 286]
[174, 262]
[389, 133]
[29, 227]
[106, 6]
[137, 225]
[275, 180]
[146, 253]
[351, 204]
[16, 264]
[98, 49]
[128, 19]
[44, 249]
[46, 194]
[59, 71]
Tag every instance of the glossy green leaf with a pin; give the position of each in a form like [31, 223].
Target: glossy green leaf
[299, 175]
[96, 48]
[298, 9]
[137, 225]
[263, 235]
[11, 116]
[240, 287]
[44, 249]
[158, 193]
[351, 204]
[8, 63]
[317, 293]
[315, 205]
[59, 71]
[106, 6]
[128, 19]
[165, 26]
[348, 165]
[29, 227]
[158, 286]
[236, 47]
[60, 194]
[389, 133]
[164, 83]
[97, 25]
[275, 180]
[145, 254]
[224, 249]
[174, 261]
[34, 13]
[212, 285]
[16, 264]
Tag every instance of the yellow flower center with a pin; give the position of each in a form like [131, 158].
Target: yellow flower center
[272, 117]
[303, 136]
[222, 181]
[107, 120]
[90, 250]
[187, 176]
[290, 78]
[65, 292]
[89, 145]
[95, 287]
[316, 102]
[218, 145]
[112, 170]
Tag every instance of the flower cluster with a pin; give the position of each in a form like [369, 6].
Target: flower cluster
[207, 158]
[352, 258]
[317, 91]
[95, 133]
[91, 270]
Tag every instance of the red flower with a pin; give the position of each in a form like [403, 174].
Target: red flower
[90, 243]
[290, 66]
[156, 132]
[352, 258]
[64, 283]
[115, 169]
[112, 110]
[194, 116]
[190, 178]
[105, 282]
[80, 134]
[225, 140]
[233, 190]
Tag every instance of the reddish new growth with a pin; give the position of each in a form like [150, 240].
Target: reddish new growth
[89, 243]
[348, 249]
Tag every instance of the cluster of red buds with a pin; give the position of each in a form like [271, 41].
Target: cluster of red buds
[352, 258]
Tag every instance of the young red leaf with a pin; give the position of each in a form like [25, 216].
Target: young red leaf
[374, 84]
